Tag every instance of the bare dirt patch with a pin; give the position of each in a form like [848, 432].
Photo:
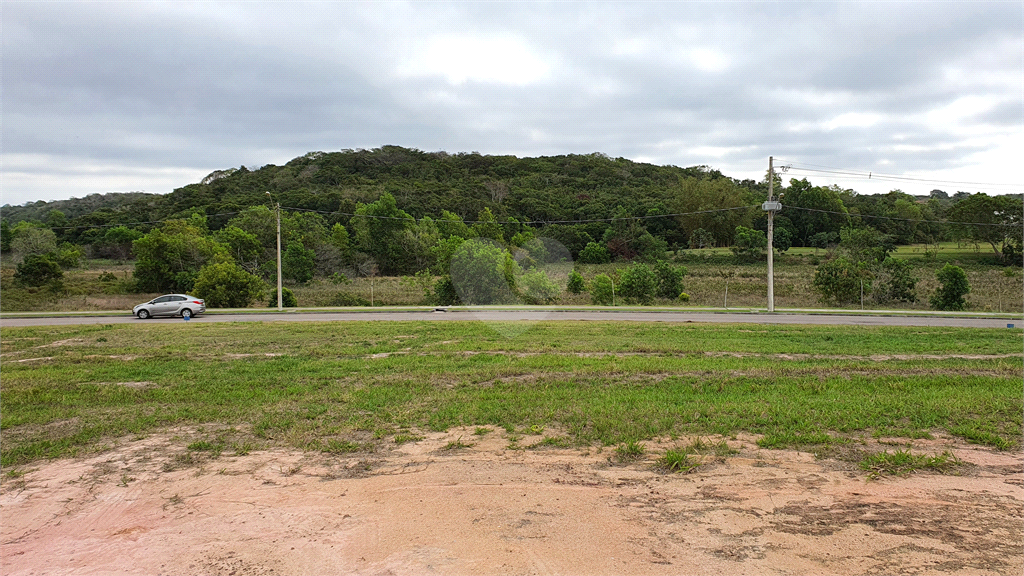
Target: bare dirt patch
[483, 508]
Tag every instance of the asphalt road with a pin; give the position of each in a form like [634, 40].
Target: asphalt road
[539, 315]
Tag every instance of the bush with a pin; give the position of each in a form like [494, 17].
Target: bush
[298, 263]
[950, 295]
[839, 281]
[288, 299]
[575, 285]
[444, 292]
[484, 273]
[895, 282]
[684, 297]
[670, 279]
[602, 290]
[595, 253]
[751, 245]
[38, 269]
[227, 285]
[346, 299]
[639, 284]
[536, 288]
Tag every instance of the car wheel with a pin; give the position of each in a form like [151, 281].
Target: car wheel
[186, 313]
[143, 314]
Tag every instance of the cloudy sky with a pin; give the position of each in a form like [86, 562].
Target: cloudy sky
[127, 96]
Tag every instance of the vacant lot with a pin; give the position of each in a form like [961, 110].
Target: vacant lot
[571, 448]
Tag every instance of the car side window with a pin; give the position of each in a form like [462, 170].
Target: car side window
[162, 299]
[177, 298]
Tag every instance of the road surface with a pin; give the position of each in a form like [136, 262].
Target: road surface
[541, 315]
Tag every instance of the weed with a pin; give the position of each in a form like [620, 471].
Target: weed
[403, 438]
[456, 445]
[125, 479]
[513, 442]
[335, 446]
[243, 448]
[481, 431]
[975, 436]
[677, 460]
[903, 462]
[629, 451]
[553, 442]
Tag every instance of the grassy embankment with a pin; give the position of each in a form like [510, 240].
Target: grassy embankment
[711, 275]
[353, 386]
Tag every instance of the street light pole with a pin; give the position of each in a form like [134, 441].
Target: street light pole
[771, 207]
[280, 294]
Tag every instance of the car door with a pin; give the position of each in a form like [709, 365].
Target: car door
[162, 306]
[176, 304]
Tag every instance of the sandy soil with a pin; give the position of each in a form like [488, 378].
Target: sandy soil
[485, 509]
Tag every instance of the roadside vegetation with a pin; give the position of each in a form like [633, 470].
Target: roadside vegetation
[400, 226]
[338, 387]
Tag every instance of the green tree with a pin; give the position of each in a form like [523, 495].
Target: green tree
[378, 229]
[894, 281]
[224, 284]
[750, 245]
[483, 273]
[298, 263]
[701, 238]
[995, 220]
[595, 253]
[602, 290]
[575, 284]
[865, 244]
[639, 284]
[169, 258]
[839, 281]
[244, 247]
[670, 279]
[487, 226]
[38, 269]
[5, 237]
[32, 240]
[117, 242]
[535, 287]
[953, 287]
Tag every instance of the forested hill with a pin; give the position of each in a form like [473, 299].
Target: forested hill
[570, 187]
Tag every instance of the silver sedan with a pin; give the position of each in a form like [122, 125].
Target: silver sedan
[171, 305]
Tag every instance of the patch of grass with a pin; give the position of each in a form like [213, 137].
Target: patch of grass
[481, 431]
[336, 446]
[206, 446]
[456, 445]
[788, 439]
[903, 462]
[552, 442]
[976, 436]
[243, 448]
[677, 460]
[125, 479]
[404, 438]
[629, 451]
[606, 384]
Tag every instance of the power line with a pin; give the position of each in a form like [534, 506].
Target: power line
[919, 220]
[584, 221]
[871, 175]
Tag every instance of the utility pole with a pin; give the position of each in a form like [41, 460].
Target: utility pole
[771, 207]
[280, 294]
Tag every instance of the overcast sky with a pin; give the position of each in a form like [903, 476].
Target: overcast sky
[151, 96]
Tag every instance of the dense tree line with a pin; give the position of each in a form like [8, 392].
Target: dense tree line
[398, 211]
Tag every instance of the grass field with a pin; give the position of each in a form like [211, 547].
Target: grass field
[346, 386]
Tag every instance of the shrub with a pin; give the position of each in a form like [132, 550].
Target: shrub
[639, 284]
[895, 281]
[684, 297]
[346, 299]
[595, 253]
[954, 285]
[602, 290]
[444, 292]
[536, 288]
[298, 263]
[751, 245]
[575, 285]
[670, 279]
[288, 299]
[484, 273]
[38, 269]
[839, 281]
[227, 285]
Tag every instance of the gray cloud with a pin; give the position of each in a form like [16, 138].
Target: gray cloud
[114, 97]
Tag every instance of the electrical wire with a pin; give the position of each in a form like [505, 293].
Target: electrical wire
[871, 175]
